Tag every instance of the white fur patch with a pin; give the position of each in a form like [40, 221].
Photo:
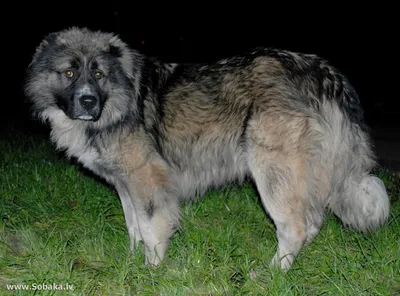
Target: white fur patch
[84, 91]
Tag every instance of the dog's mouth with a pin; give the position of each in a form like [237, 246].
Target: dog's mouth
[85, 117]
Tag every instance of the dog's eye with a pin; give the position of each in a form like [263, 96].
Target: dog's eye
[98, 75]
[68, 73]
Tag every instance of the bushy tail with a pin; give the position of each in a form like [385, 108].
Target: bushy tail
[363, 205]
[358, 198]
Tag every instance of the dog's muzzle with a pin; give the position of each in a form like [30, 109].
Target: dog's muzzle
[87, 107]
[88, 102]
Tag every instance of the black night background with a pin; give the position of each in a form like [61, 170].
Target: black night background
[359, 40]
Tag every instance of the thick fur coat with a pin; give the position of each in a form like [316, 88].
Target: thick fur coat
[162, 133]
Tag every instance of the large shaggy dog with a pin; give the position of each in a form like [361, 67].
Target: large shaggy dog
[162, 133]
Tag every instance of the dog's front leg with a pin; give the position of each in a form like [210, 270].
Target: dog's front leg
[156, 208]
[130, 215]
[158, 218]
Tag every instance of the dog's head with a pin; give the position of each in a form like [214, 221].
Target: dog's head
[88, 75]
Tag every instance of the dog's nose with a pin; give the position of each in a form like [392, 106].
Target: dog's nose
[88, 102]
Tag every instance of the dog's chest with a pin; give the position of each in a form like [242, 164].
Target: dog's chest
[78, 146]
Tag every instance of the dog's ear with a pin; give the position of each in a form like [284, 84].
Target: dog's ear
[115, 51]
[49, 39]
[43, 48]
[128, 57]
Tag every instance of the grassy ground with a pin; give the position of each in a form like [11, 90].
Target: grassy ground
[59, 225]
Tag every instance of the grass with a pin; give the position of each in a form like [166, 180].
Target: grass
[60, 225]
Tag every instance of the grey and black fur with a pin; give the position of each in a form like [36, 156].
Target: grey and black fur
[162, 133]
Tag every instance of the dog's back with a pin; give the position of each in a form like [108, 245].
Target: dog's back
[293, 123]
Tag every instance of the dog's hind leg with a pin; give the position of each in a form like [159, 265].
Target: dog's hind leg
[282, 155]
[281, 184]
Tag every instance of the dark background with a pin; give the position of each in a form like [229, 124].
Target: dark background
[360, 40]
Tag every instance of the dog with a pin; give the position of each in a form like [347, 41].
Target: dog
[163, 133]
